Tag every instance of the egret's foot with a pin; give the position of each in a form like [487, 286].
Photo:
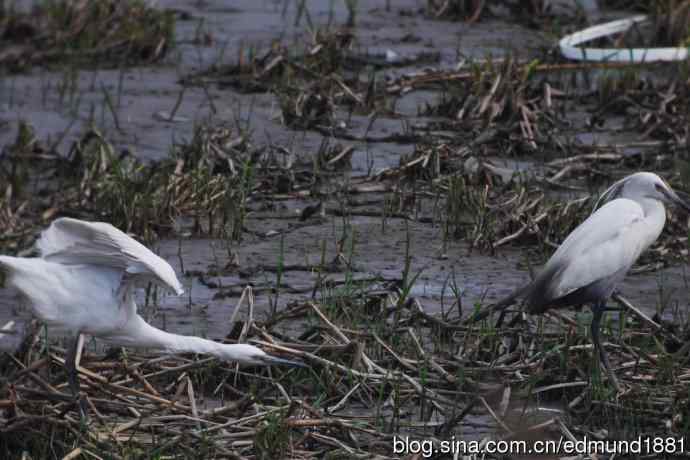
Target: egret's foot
[613, 380]
[597, 313]
[83, 408]
[622, 390]
[604, 359]
[518, 319]
[115, 354]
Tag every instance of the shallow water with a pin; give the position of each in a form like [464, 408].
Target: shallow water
[147, 90]
[379, 250]
[378, 254]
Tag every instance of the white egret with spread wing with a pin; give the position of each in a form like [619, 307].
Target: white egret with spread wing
[596, 256]
[84, 282]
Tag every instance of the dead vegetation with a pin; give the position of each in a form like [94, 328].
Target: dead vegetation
[670, 24]
[208, 180]
[84, 32]
[379, 366]
[526, 108]
[533, 13]
[313, 81]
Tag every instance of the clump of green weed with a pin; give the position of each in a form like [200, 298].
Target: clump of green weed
[205, 179]
[475, 10]
[16, 173]
[88, 32]
[272, 439]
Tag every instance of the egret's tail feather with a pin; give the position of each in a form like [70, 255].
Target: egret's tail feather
[499, 306]
[13, 265]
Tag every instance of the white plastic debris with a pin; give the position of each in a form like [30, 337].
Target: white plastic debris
[571, 50]
[392, 57]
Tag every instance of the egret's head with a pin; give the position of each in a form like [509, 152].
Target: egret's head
[249, 354]
[642, 185]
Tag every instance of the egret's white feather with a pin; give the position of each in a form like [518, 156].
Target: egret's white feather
[601, 253]
[628, 218]
[50, 289]
[83, 282]
[74, 242]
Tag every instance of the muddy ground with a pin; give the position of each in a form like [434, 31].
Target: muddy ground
[145, 92]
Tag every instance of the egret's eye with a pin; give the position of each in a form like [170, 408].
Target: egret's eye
[658, 187]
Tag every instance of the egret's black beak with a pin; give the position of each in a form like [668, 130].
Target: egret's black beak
[275, 361]
[675, 199]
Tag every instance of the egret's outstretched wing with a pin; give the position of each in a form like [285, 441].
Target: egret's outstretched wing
[75, 242]
[606, 244]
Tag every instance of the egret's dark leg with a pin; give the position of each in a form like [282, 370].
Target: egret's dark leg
[597, 313]
[72, 377]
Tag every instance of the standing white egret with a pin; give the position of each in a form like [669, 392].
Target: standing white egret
[596, 256]
[84, 282]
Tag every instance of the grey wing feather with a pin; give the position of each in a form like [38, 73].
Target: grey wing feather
[76, 242]
[594, 251]
[541, 292]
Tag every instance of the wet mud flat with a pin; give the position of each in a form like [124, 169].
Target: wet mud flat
[353, 182]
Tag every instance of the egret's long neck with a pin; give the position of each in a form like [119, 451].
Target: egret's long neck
[653, 209]
[655, 216]
[139, 334]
